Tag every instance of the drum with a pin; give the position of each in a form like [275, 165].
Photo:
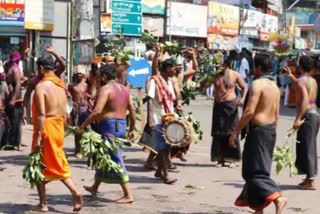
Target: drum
[177, 132]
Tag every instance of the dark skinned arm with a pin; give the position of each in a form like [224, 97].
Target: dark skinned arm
[248, 113]
[27, 97]
[41, 114]
[178, 94]
[243, 86]
[132, 114]
[62, 65]
[17, 80]
[155, 61]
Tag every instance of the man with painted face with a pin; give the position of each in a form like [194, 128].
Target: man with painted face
[80, 104]
[262, 114]
[49, 113]
[114, 100]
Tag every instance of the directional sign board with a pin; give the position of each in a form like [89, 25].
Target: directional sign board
[127, 17]
[138, 72]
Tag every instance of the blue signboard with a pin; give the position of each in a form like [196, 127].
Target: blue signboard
[138, 72]
[127, 17]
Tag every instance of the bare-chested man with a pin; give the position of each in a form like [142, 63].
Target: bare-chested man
[261, 113]
[225, 115]
[80, 104]
[33, 82]
[113, 101]
[51, 102]
[307, 122]
[14, 104]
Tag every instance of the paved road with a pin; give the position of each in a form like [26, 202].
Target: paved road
[220, 186]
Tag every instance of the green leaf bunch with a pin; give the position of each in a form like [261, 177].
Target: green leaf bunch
[117, 47]
[198, 133]
[283, 155]
[188, 93]
[148, 38]
[32, 173]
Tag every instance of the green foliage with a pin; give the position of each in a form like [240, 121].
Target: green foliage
[148, 38]
[198, 133]
[98, 151]
[189, 186]
[117, 48]
[173, 48]
[188, 93]
[32, 173]
[284, 157]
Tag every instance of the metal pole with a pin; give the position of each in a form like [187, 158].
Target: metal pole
[165, 24]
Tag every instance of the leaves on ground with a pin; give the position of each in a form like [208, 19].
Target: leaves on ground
[189, 186]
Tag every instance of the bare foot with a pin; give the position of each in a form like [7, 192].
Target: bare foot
[125, 200]
[309, 185]
[302, 183]
[23, 145]
[93, 191]
[40, 208]
[182, 158]
[158, 175]
[78, 203]
[280, 203]
[170, 181]
[2, 168]
[258, 212]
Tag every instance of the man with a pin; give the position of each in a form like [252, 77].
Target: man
[261, 113]
[80, 104]
[14, 105]
[307, 122]
[110, 111]
[244, 67]
[51, 101]
[108, 60]
[160, 90]
[33, 82]
[4, 121]
[150, 136]
[225, 115]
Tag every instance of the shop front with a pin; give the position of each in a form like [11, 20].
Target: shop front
[13, 36]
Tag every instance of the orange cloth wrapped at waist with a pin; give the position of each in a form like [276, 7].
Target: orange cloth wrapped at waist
[57, 167]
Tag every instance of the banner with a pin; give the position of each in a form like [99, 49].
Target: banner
[153, 6]
[154, 25]
[223, 19]
[182, 23]
[39, 15]
[269, 25]
[12, 13]
[106, 23]
[252, 23]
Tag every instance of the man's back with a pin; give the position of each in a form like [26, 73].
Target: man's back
[311, 87]
[268, 104]
[225, 86]
[117, 102]
[55, 99]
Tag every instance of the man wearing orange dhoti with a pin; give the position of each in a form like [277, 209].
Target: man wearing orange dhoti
[50, 113]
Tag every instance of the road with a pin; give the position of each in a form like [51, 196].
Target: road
[219, 187]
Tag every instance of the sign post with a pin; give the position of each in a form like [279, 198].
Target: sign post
[138, 73]
[127, 17]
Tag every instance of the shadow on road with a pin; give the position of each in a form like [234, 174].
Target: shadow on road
[289, 187]
[20, 160]
[236, 185]
[144, 180]
[194, 165]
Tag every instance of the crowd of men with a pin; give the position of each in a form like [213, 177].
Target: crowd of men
[101, 100]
